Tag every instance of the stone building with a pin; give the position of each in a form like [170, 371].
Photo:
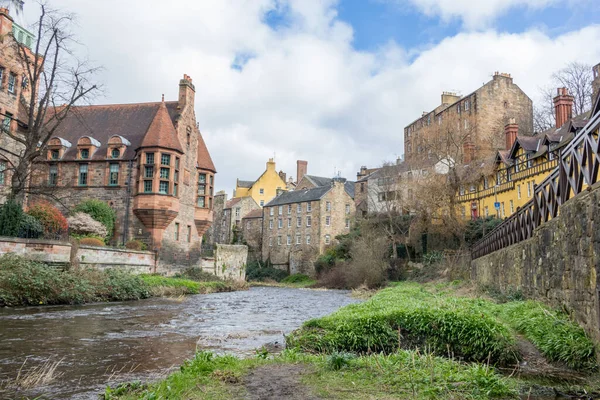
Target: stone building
[265, 188]
[476, 120]
[14, 93]
[251, 229]
[148, 161]
[297, 226]
[228, 215]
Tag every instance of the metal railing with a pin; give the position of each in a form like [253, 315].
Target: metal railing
[577, 169]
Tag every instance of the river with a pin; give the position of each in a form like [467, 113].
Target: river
[107, 343]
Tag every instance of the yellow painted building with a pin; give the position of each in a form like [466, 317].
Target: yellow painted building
[265, 188]
[509, 180]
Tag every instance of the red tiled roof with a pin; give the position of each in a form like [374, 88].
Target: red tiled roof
[161, 132]
[233, 202]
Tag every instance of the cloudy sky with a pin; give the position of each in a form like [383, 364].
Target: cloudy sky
[329, 81]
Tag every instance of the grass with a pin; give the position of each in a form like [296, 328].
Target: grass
[41, 375]
[163, 286]
[405, 374]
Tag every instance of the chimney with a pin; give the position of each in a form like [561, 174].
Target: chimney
[301, 168]
[271, 164]
[282, 175]
[563, 106]
[468, 152]
[187, 92]
[449, 98]
[510, 132]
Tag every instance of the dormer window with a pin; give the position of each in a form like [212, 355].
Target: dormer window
[84, 154]
[54, 154]
[115, 153]
[57, 147]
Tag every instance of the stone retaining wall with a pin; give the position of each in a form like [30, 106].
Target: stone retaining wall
[558, 265]
[229, 262]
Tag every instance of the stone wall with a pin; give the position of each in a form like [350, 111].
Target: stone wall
[229, 262]
[558, 265]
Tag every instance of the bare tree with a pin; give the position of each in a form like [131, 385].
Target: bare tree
[577, 78]
[56, 80]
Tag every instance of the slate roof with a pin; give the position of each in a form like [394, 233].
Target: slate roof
[349, 187]
[299, 196]
[318, 180]
[245, 184]
[204, 159]
[232, 202]
[254, 214]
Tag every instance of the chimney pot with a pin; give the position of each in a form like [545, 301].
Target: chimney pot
[563, 106]
[511, 130]
[301, 169]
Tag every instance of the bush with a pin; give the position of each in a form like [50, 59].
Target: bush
[82, 225]
[257, 272]
[50, 217]
[478, 228]
[136, 245]
[297, 278]
[197, 274]
[100, 211]
[25, 282]
[30, 227]
[10, 218]
[91, 241]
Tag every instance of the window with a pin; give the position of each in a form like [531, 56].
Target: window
[271, 224]
[202, 202]
[83, 174]
[298, 239]
[165, 159]
[280, 210]
[163, 187]
[6, 121]
[458, 108]
[2, 172]
[308, 221]
[466, 124]
[487, 213]
[461, 191]
[176, 162]
[467, 105]
[175, 189]
[201, 184]
[289, 240]
[529, 161]
[508, 175]
[528, 189]
[271, 211]
[502, 208]
[486, 182]
[328, 221]
[347, 208]
[165, 173]
[472, 188]
[308, 207]
[512, 207]
[237, 213]
[148, 172]
[113, 178]
[518, 191]
[262, 203]
[270, 242]
[327, 239]
[84, 154]
[289, 209]
[298, 222]
[147, 186]
[347, 222]
[328, 206]
[307, 239]
[54, 154]
[279, 223]
[52, 175]
[177, 231]
[12, 79]
[261, 191]
[149, 158]
[289, 222]
[299, 208]
[116, 153]
[1, 74]
[278, 240]
[189, 233]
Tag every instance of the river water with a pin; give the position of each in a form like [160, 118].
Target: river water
[107, 343]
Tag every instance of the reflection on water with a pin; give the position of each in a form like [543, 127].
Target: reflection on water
[114, 342]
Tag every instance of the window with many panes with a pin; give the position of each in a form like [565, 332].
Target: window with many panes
[327, 239]
[280, 223]
[271, 224]
[289, 209]
[271, 211]
[262, 203]
[308, 221]
[83, 174]
[53, 175]
[308, 207]
[299, 208]
[149, 171]
[280, 210]
[298, 222]
[165, 173]
[2, 172]
[6, 121]
[12, 79]
[147, 186]
[163, 187]
[307, 239]
[347, 208]
[298, 239]
[201, 202]
[289, 222]
[289, 240]
[328, 206]
[201, 184]
[113, 178]
[149, 158]
[165, 159]
[347, 222]
[327, 220]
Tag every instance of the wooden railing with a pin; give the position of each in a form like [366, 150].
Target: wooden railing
[577, 169]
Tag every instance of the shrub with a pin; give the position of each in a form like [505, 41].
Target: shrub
[197, 274]
[50, 217]
[10, 218]
[91, 241]
[30, 227]
[297, 278]
[478, 228]
[136, 245]
[100, 211]
[83, 224]
[257, 272]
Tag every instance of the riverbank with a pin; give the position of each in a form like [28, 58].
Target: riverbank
[27, 283]
[408, 341]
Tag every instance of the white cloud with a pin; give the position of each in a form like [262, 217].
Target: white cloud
[303, 92]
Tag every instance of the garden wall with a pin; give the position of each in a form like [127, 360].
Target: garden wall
[558, 265]
[229, 262]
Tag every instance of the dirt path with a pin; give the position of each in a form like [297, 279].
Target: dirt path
[275, 382]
